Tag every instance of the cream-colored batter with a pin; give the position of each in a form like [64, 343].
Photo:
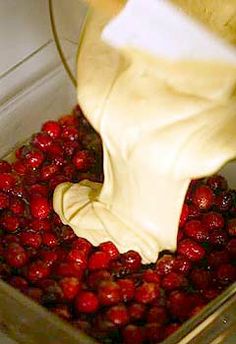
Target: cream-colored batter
[162, 123]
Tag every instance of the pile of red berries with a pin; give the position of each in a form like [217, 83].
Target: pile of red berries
[109, 295]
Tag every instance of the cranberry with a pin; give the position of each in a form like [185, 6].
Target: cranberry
[70, 147]
[110, 249]
[182, 265]
[5, 166]
[49, 239]
[78, 257]
[7, 181]
[70, 287]
[231, 227]
[213, 220]
[67, 269]
[69, 121]
[38, 225]
[34, 293]
[17, 206]
[31, 239]
[98, 260]
[49, 257]
[191, 250]
[193, 212]
[109, 293]
[86, 302]
[147, 293]
[52, 128]
[201, 278]
[48, 171]
[215, 258]
[37, 270]
[196, 230]
[4, 200]
[224, 201]
[179, 304]
[20, 167]
[42, 141]
[131, 260]
[203, 197]
[226, 273]
[38, 189]
[132, 334]
[127, 289]
[82, 245]
[82, 160]
[217, 182]
[157, 314]
[165, 264]
[184, 215]
[173, 281]
[218, 238]
[211, 293]
[152, 276]
[34, 159]
[96, 277]
[170, 329]
[10, 222]
[118, 315]
[15, 255]
[136, 311]
[55, 150]
[39, 207]
[180, 235]
[66, 234]
[70, 133]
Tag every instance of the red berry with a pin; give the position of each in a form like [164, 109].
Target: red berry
[42, 141]
[52, 128]
[224, 201]
[217, 182]
[15, 255]
[218, 237]
[70, 287]
[180, 304]
[170, 329]
[98, 260]
[83, 245]
[109, 293]
[153, 332]
[165, 264]
[4, 200]
[49, 257]
[38, 225]
[48, 171]
[78, 257]
[31, 239]
[231, 248]
[184, 215]
[96, 277]
[215, 258]
[136, 311]
[39, 207]
[193, 212]
[49, 239]
[110, 249]
[132, 334]
[150, 275]
[191, 250]
[38, 270]
[17, 206]
[182, 265]
[70, 133]
[69, 120]
[10, 222]
[147, 293]
[86, 302]
[173, 281]
[70, 147]
[127, 289]
[7, 181]
[55, 150]
[203, 197]
[213, 220]
[20, 167]
[82, 160]
[38, 189]
[196, 230]
[69, 270]
[131, 260]
[118, 315]
[34, 159]
[18, 283]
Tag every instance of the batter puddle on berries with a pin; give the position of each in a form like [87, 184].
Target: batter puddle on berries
[109, 295]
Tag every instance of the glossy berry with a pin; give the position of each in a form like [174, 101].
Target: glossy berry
[78, 257]
[217, 182]
[34, 159]
[82, 160]
[224, 201]
[131, 260]
[17, 206]
[127, 289]
[165, 265]
[184, 215]
[201, 278]
[10, 222]
[37, 271]
[4, 200]
[133, 334]
[182, 265]
[136, 311]
[152, 276]
[70, 287]
[213, 220]
[86, 302]
[173, 280]
[15, 255]
[31, 239]
[49, 239]
[218, 238]
[118, 315]
[110, 249]
[39, 207]
[98, 260]
[7, 181]
[226, 273]
[191, 250]
[203, 197]
[5, 166]
[42, 141]
[157, 314]
[52, 128]
[48, 171]
[147, 293]
[82, 245]
[109, 293]
[231, 248]
[196, 230]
